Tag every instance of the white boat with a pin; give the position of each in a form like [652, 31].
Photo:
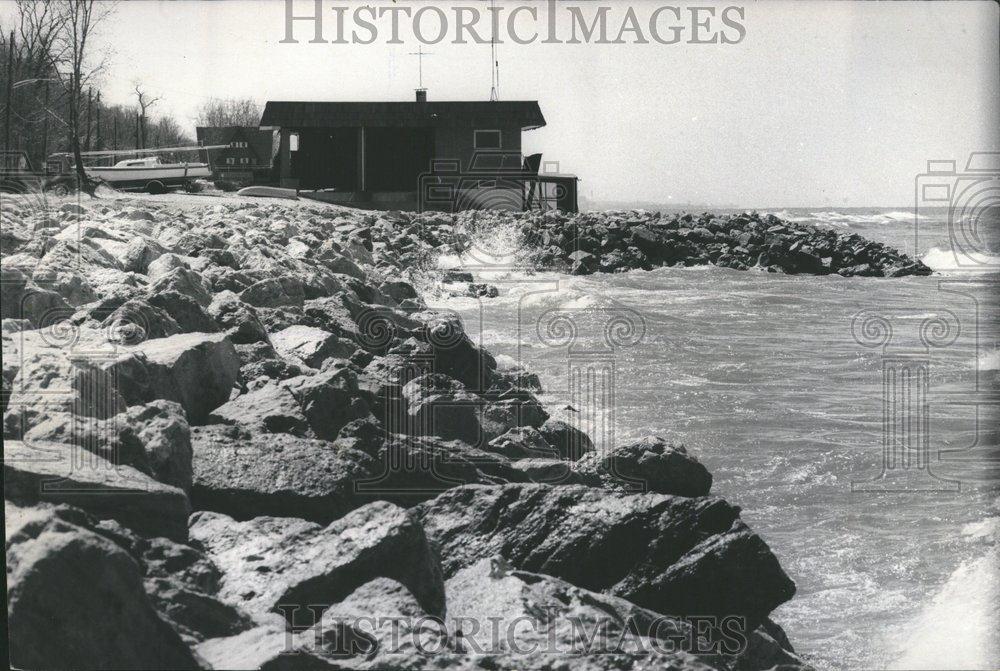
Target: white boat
[148, 173]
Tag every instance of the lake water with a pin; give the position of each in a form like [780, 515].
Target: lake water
[775, 382]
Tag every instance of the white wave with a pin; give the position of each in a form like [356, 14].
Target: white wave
[950, 261]
[987, 529]
[905, 216]
[788, 216]
[835, 218]
[958, 628]
[990, 360]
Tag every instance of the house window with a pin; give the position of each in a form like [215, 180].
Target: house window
[244, 161]
[293, 142]
[486, 139]
[229, 161]
[237, 144]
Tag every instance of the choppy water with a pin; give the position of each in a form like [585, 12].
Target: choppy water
[761, 376]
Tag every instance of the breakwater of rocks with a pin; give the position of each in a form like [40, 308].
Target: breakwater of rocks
[613, 242]
[236, 437]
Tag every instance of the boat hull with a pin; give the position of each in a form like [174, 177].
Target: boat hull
[141, 176]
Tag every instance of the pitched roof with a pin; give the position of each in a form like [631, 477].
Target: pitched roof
[291, 114]
[260, 142]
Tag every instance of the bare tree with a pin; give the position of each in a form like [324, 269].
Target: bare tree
[36, 45]
[76, 66]
[218, 113]
[145, 101]
[168, 133]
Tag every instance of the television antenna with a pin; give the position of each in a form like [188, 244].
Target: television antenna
[495, 64]
[420, 53]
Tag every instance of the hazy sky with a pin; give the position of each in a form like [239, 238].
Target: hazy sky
[821, 103]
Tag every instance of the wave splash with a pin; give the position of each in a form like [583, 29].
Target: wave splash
[846, 219]
[958, 628]
[950, 261]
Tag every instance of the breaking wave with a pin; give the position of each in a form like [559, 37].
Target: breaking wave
[846, 219]
[957, 628]
[949, 261]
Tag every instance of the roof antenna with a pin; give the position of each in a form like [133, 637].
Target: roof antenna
[495, 81]
[420, 53]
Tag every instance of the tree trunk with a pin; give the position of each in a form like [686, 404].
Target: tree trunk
[90, 112]
[45, 126]
[83, 181]
[10, 91]
[100, 140]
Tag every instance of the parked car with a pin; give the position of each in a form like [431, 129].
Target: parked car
[17, 174]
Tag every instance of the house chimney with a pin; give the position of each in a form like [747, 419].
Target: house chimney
[421, 95]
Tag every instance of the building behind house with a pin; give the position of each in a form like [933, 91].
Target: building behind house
[248, 157]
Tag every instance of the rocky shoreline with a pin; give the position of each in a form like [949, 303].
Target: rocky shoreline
[235, 436]
[620, 241]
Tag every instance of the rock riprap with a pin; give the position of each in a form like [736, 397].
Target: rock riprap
[234, 432]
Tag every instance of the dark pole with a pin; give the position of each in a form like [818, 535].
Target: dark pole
[10, 91]
[45, 123]
[98, 120]
[90, 113]
[114, 131]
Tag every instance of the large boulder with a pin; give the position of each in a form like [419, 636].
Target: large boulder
[679, 556]
[183, 281]
[162, 430]
[191, 316]
[287, 565]
[182, 584]
[153, 438]
[238, 319]
[275, 292]
[538, 613]
[551, 471]
[412, 469]
[650, 464]
[402, 634]
[437, 405]
[310, 346]
[54, 473]
[23, 299]
[137, 320]
[331, 314]
[270, 647]
[506, 619]
[58, 370]
[197, 370]
[523, 442]
[269, 408]
[246, 474]
[455, 354]
[571, 442]
[76, 600]
[164, 264]
[139, 253]
[310, 406]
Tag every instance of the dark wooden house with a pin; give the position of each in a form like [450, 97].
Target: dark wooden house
[409, 155]
[248, 157]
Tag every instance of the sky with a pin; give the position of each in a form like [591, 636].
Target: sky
[820, 103]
